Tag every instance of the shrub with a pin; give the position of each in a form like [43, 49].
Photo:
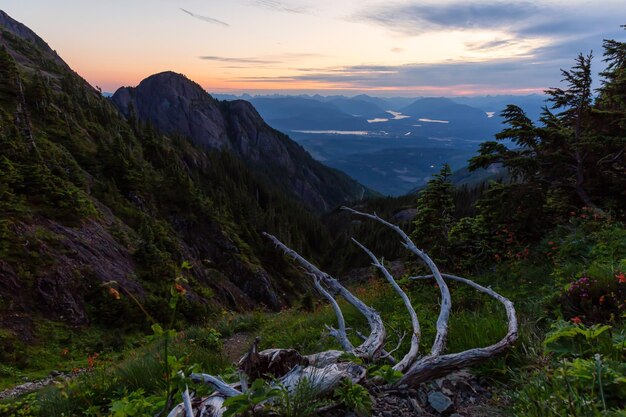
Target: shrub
[595, 300]
[355, 397]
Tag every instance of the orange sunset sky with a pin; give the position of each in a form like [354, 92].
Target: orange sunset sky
[399, 47]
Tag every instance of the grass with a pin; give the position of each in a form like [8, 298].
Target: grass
[58, 347]
[141, 370]
[527, 380]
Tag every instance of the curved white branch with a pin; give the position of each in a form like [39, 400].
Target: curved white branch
[221, 386]
[446, 301]
[433, 366]
[187, 403]
[410, 357]
[339, 334]
[372, 346]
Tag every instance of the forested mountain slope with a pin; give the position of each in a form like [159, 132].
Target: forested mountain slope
[88, 197]
[177, 105]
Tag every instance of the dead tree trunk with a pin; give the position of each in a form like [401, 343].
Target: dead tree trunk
[326, 370]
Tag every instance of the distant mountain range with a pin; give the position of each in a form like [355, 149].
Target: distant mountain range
[392, 145]
[531, 103]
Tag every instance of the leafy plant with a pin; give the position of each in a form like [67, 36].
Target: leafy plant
[387, 373]
[27, 406]
[258, 394]
[355, 397]
[136, 403]
[303, 400]
[569, 339]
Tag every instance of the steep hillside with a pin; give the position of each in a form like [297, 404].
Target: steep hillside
[177, 105]
[88, 198]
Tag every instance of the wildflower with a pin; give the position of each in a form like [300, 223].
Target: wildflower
[621, 278]
[602, 299]
[91, 359]
[180, 289]
[65, 352]
[576, 320]
[114, 293]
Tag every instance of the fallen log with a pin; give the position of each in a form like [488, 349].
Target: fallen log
[325, 371]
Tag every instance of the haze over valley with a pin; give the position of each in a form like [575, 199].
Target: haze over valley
[392, 145]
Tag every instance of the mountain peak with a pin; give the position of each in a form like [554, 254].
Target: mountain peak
[15, 28]
[177, 105]
[18, 29]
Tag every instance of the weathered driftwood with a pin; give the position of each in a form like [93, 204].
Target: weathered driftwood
[325, 370]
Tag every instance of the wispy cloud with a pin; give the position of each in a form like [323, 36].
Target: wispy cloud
[522, 18]
[491, 45]
[279, 6]
[263, 60]
[416, 18]
[251, 60]
[521, 74]
[205, 18]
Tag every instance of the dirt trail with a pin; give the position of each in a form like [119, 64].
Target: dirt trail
[237, 345]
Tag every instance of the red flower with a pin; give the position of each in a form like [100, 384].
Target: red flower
[180, 289]
[91, 360]
[576, 320]
[602, 299]
[114, 293]
[621, 278]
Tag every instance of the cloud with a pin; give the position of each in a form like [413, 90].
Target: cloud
[490, 45]
[396, 50]
[533, 72]
[522, 18]
[238, 60]
[416, 18]
[205, 18]
[279, 6]
[262, 60]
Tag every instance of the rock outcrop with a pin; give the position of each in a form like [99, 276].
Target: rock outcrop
[176, 105]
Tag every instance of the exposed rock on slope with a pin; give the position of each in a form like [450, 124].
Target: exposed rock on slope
[175, 104]
[88, 198]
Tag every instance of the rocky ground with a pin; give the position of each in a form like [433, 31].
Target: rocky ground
[30, 386]
[460, 394]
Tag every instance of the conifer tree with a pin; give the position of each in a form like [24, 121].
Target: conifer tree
[435, 210]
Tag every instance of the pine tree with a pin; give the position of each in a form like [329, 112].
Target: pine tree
[435, 210]
[573, 120]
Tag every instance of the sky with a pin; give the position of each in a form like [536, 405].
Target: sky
[383, 48]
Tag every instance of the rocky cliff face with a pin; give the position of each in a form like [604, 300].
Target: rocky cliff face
[177, 105]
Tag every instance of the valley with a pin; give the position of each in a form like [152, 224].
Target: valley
[391, 151]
